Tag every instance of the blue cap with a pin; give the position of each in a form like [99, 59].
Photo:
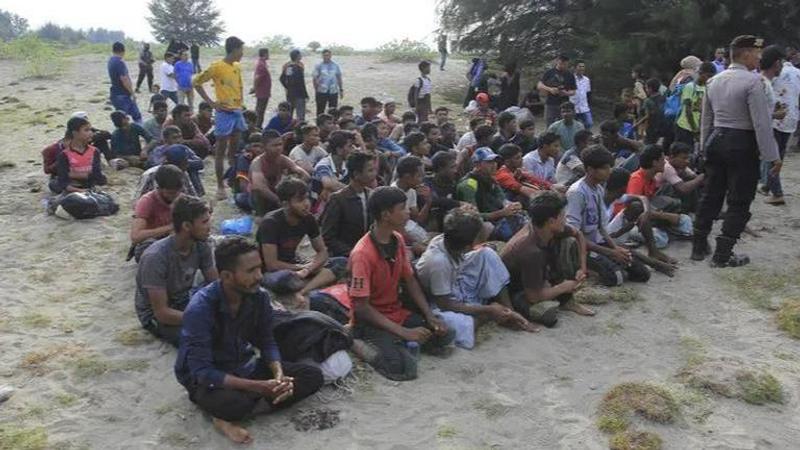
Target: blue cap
[176, 154]
[484, 154]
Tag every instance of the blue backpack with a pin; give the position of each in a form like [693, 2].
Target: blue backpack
[672, 106]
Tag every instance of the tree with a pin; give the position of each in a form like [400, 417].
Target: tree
[277, 43]
[190, 21]
[12, 26]
[314, 46]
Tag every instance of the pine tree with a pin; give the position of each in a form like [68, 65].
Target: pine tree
[190, 21]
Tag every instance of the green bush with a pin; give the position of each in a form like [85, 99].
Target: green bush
[41, 59]
[339, 49]
[405, 50]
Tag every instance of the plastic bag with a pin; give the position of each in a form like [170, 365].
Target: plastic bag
[240, 226]
[337, 366]
[87, 205]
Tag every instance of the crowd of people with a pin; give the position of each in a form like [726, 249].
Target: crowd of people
[418, 234]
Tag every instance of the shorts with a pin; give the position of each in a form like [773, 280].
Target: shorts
[228, 122]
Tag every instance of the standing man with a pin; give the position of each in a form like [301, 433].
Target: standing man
[145, 68]
[719, 60]
[169, 84]
[558, 84]
[195, 52]
[442, 50]
[262, 85]
[583, 96]
[227, 77]
[121, 92]
[327, 78]
[787, 93]
[736, 126]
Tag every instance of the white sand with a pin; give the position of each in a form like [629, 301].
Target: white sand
[68, 295]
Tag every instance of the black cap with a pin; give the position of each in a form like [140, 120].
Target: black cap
[747, 41]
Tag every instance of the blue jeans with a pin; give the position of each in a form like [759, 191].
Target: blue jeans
[127, 104]
[774, 181]
[585, 119]
[172, 95]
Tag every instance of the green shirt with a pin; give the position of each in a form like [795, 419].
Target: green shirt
[693, 93]
[487, 196]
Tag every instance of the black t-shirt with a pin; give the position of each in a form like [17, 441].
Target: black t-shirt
[563, 79]
[275, 229]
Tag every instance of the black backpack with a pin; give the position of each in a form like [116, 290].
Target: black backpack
[413, 93]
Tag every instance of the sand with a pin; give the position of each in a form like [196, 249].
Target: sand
[87, 376]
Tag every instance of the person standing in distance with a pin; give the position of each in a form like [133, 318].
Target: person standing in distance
[736, 126]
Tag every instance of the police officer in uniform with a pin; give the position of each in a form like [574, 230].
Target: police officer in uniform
[736, 130]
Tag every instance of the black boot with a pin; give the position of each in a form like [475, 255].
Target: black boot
[700, 247]
[724, 256]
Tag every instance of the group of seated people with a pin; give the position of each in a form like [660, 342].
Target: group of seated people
[417, 237]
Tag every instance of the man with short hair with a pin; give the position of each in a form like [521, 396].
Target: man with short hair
[787, 92]
[519, 184]
[506, 130]
[308, 152]
[570, 167]
[546, 260]
[736, 128]
[687, 126]
[167, 269]
[719, 60]
[121, 91]
[541, 163]
[468, 283]
[224, 324]
[267, 170]
[152, 217]
[191, 135]
[558, 84]
[262, 85]
[422, 90]
[327, 78]
[567, 126]
[378, 263]
[227, 77]
[442, 114]
[172, 153]
[155, 124]
[346, 218]
[583, 96]
[370, 108]
[678, 180]
[184, 71]
[282, 121]
[169, 84]
[145, 68]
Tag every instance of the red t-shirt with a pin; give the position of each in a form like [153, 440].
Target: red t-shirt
[639, 185]
[374, 277]
[154, 210]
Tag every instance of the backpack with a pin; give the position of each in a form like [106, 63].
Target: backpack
[87, 205]
[673, 105]
[413, 93]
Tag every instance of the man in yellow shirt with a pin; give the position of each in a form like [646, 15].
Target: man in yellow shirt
[227, 77]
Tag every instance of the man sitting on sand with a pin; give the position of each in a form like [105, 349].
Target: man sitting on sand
[467, 282]
[191, 134]
[222, 326]
[152, 218]
[308, 153]
[266, 172]
[586, 213]
[378, 263]
[546, 260]
[126, 140]
[282, 122]
[168, 267]
[193, 166]
[279, 235]
[176, 155]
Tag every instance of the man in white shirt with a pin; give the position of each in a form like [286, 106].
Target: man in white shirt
[786, 87]
[169, 85]
[582, 96]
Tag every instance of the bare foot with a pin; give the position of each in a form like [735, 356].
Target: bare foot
[233, 432]
[577, 308]
[300, 302]
[661, 256]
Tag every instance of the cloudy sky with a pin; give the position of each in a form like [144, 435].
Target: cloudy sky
[361, 24]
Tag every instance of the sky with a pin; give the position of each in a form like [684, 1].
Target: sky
[361, 24]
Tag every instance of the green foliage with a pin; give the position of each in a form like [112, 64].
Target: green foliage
[759, 388]
[635, 440]
[191, 21]
[404, 50]
[41, 59]
[340, 49]
[789, 318]
[278, 43]
[314, 46]
[17, 438]
[12, 26]
[652, 402]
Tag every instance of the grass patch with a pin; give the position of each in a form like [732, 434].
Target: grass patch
[134, 336]
[625, 400]
[15, 438]
[597, 295]
[38, 361]
[89, 367]
[635, 440]
[759, 389]
[789, 318]
[756, 285]
[36, 320]
[693, 349]
[446, 432]
[66, 400]
[613, 328]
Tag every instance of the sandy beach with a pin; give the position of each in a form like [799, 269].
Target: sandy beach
[87, 376]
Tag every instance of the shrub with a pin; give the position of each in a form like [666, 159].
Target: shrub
[404, 50]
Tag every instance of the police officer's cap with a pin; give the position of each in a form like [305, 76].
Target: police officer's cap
[747, 41]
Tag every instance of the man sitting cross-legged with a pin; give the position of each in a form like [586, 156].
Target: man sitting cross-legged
[279, 235]
[378, 263]
[168, 267]
[216, 363]
[468, 283]
[546, 260]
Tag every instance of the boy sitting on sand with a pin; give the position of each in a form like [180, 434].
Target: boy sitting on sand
[279, 235]
[467, 282]
[167, 269]
[126, 140]
[152, 218]
[223, 325]
[546, 260]
[266, 172]
[378, 263]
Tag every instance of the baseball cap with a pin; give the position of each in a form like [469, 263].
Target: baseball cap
[176, 154]
[482, 98]
[80, 114]
[484, 154]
